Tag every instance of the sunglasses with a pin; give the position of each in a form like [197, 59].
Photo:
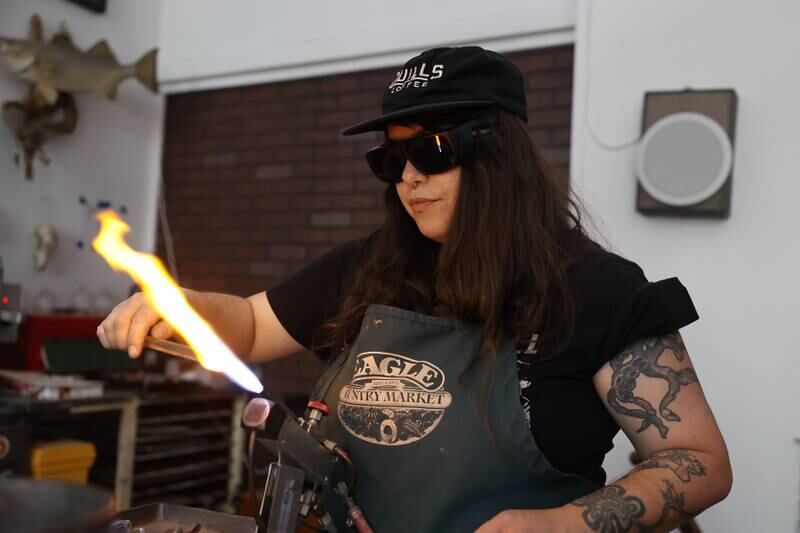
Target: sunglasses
[433, 153]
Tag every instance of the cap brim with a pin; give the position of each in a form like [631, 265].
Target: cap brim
[378, 123]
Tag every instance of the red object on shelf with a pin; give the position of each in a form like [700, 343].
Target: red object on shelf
[36, 329]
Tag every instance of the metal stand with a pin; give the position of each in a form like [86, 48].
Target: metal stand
[280, 507]
[307, 462]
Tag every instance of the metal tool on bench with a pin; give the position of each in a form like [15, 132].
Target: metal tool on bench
[306, 462]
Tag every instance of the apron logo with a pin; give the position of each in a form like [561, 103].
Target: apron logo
[392, 399]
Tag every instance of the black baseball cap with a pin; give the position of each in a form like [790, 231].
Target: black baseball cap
[450, 78]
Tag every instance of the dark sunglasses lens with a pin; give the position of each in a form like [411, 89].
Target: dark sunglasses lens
[394, 162]
[380, 160]
[433, 154]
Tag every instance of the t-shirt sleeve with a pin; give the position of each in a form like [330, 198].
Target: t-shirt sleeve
[639, 308]
[311, 297]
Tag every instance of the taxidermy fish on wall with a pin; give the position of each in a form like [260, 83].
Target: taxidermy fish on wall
[59, 65]
[56, 69]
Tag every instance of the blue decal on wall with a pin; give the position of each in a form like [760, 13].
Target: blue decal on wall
[91, 226]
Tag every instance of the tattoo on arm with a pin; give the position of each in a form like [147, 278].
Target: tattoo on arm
[673, 501]
[640, 359]
[611, 510]
[682, 463]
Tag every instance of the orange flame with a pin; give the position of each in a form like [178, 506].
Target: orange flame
[164, 295]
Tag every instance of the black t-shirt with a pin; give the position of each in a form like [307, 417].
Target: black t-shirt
[615, 305]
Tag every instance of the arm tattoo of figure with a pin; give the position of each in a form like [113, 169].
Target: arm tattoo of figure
[610, 510]
[682, 463]
[641, 358]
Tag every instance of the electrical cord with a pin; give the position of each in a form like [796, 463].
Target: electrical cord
[586, 120]
[346, 458]
[252, 479]
[166, 232]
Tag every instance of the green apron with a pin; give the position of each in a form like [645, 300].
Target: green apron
[410, 418]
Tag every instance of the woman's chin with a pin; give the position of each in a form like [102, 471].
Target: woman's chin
[434, 234]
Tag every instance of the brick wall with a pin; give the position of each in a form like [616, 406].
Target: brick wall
[258, 180]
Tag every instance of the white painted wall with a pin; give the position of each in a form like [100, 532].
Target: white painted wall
[743, 272]
[210, 43]
[114, 155]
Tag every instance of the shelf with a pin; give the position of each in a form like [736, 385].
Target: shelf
[171, 433]
[184, 417]
[191, 468]
[177, 452]
[182, 485]
[205, 500]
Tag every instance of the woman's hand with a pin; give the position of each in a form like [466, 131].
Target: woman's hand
[129, 322]
[531, 521]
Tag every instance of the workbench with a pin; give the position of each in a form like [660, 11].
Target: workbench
[184, 448]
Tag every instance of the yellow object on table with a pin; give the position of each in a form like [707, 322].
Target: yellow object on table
[64, 460]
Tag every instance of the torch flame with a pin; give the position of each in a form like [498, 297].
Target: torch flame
[164, 295]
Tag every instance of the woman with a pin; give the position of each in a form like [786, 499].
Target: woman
[484, 351]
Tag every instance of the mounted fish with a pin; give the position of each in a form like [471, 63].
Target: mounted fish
[58, 66]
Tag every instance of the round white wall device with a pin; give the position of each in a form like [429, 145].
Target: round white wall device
[683, 159]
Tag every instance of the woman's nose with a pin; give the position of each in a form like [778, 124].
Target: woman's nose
[412, 176]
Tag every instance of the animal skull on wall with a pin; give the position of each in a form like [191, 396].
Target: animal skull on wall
[45, 241]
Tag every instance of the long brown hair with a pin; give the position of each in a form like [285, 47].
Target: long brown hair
[515, 229]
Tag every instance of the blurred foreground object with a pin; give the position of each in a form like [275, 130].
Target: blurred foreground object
[171, 517]
[33, 506]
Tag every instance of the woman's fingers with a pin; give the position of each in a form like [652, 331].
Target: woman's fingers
[141, 322]
[114, 326]
[127, 325]
[102, 336]
[162, 330]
